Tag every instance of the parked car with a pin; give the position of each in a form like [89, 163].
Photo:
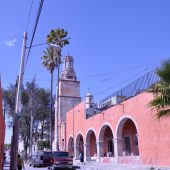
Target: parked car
[62, 160]
[42, 158]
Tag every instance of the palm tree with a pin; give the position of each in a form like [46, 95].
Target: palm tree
[49, 61]
[58, 37]
[52, 60]
[161, 91]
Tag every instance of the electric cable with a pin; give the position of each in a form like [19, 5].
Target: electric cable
[118, 83]
[118, 71]
[34, 30]
[29, 15]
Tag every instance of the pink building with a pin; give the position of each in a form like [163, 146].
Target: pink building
[129, 132]
[120, 129]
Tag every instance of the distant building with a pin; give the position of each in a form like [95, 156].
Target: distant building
[2, 130]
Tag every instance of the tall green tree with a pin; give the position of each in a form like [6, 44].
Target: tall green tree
[52, 59]
[8, 96]
[161, 91]
[42, 113]
[33, 99]
[29, 106]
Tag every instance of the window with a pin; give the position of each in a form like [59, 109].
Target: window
[41, 157]
[70, 77]
[61, 154]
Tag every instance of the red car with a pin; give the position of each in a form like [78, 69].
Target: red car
[62, 160]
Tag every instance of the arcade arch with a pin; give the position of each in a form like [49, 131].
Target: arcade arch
[79, 144]
[127, 137]
[106, 145]
[91, 147]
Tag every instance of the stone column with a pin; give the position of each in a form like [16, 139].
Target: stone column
[86, 152]
[100, 150]
[115, 141]
[76, 151]
[118, 148]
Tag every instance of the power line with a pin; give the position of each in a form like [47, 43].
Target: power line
[118, 83]
[81, 77]
[118, 71]
[28, 20]
[34, 30]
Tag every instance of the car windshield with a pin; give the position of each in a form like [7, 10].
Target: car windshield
[60, 154]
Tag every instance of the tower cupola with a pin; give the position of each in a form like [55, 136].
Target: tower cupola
[68, 69]
[89, 100]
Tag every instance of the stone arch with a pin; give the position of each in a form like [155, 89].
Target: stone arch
[79, 144]
[127, 136]
[71, 146]
[91, 143]
[106, 136]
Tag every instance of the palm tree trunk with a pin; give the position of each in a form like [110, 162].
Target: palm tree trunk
[51, 94]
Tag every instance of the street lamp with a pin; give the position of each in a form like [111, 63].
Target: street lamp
[58, 52]
[57, 47]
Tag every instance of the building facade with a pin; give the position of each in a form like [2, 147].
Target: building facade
[128, 132]
[120, 129]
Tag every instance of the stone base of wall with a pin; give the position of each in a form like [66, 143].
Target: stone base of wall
[129, 159]
[108, 160]
[120, 160]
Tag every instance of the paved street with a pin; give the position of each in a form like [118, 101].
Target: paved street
[104, 166]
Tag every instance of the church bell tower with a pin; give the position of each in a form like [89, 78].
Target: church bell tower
[69, 97]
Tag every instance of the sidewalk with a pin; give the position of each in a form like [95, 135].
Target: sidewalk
[111, 166]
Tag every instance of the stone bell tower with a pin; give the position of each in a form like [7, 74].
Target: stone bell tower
[69, 97]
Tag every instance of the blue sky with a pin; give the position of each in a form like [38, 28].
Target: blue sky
[107, 36]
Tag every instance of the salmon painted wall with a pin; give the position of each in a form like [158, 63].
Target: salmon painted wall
[153, 134]
[2, 130]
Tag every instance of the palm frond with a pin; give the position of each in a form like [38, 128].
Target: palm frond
[163, 113]
[164, 71]
[59, 37]
[161, 91]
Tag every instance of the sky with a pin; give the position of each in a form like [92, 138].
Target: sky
[113, 42]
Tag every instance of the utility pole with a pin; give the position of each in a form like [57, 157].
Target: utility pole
[15, 137]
